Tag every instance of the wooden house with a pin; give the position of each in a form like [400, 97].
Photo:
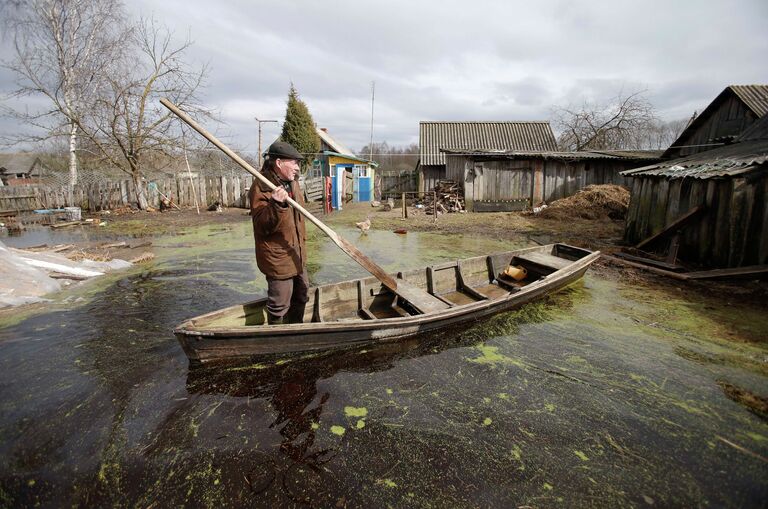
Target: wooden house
[710, 206]
[21, 169]
[434, 137]
[734, 110]
[352, 177]
[515, 180]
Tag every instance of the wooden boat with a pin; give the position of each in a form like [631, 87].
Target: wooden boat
[350, 313]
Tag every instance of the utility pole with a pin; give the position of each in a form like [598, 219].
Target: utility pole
[370, 145]
[261, 161]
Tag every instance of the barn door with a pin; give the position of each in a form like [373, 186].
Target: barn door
[516, 184]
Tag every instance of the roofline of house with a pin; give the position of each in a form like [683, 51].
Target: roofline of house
[347, 156]
[700, 118]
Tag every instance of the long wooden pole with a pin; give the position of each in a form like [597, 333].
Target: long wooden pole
[345, 246]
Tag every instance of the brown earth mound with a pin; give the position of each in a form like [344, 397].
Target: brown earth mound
[592, 202]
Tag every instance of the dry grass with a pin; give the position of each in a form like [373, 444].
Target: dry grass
[81, 254]
[143, 257]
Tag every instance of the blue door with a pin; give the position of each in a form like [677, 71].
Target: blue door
[362, 184]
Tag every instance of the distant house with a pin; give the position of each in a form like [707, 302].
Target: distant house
[733, 111]
[21, 169]
[504, 180]
[434, 137]
[352, 177]
[725, 189]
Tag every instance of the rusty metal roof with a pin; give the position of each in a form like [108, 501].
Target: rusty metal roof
[433, 136]
[635, 155]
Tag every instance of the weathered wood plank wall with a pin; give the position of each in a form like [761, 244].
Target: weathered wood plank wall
[14, 198]
[397, 182]
[729, 119]
[106, 195]
[562, 179]
[733, 232]
[515, 179]
[496, 180]
[429, 176]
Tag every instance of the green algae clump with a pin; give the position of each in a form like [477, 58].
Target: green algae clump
[351, 411]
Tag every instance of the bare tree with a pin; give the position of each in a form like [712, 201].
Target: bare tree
[62, 48]
[615, 125]
[665, 133]
[129, 126]
[390, 157]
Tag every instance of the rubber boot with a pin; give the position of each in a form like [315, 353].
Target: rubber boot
[296, 313]
[274, 319]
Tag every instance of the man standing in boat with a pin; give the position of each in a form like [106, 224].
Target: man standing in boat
[280, 235]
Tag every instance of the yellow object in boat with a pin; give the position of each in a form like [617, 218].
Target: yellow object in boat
[517, 273]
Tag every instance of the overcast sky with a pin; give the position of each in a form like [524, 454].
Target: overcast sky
[451, 60]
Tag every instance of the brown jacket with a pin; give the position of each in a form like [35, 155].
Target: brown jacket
[278, 230]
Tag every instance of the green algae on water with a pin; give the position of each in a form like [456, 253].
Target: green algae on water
[490, 355]
[351, 411]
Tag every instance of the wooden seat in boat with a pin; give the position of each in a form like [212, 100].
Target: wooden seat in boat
[420, 298]
[543, 259]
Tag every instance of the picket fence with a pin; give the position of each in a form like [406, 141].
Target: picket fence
[113, 194]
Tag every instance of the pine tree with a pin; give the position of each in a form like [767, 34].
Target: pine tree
[299, 128]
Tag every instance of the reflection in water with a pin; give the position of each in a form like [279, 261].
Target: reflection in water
[290, 385]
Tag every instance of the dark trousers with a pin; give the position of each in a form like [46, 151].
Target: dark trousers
[284, 294]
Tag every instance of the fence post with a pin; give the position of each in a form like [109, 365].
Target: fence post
[201, 189]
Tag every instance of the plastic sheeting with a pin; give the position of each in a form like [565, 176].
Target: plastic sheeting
[20, 282]
[24, 275]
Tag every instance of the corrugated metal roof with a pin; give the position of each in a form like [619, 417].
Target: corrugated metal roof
[642, 155]
[433, 136]
[754, 96]
[728, 161]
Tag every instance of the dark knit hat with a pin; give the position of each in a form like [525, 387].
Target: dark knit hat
[283, 150]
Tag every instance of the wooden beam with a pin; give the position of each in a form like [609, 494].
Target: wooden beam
[649, 261]
[677, 224]
[661, 272]
[750, 271]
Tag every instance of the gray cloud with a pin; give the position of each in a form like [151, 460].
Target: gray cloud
[453, 60]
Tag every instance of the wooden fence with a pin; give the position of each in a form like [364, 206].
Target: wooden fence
[106, 195]
[396, 182]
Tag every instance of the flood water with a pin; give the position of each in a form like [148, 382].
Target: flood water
[603, 395]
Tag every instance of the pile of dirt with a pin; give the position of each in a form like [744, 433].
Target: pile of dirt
[592, 202]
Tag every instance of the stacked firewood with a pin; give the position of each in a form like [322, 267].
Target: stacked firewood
[449, 198]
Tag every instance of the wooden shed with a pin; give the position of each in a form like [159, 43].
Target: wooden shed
[723, 194]
[435, 136]
[21, 169]
[514, 180]
[728, 115]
